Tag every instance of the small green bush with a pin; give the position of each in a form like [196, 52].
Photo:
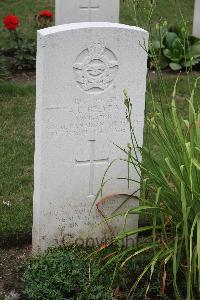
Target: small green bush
[66, 274]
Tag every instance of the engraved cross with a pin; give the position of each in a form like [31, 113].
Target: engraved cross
[91, 162]
[89, 7]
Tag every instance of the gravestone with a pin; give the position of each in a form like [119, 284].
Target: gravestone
[196, 21]
[82, 69]
[87, 11]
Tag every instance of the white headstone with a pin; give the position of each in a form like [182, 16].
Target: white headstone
[75, 11]
[196, 21]
[82, 70]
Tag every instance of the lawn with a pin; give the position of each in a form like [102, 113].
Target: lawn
[16, 157]
[17, 103]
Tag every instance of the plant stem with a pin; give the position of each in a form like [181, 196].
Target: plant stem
[16, 39]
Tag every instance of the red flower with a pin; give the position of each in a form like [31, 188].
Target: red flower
[11, 22]
[45, 13]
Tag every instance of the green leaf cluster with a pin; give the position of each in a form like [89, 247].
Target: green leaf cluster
[173, 47]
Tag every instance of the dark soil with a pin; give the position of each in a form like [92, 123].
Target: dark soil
[15, 240]
[23, 77]
[11, 269]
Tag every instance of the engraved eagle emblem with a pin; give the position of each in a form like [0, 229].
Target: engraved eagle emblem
[95, 68]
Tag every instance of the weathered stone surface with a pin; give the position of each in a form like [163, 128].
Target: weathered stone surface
[82, 70]
[196, 21]
[87, 11]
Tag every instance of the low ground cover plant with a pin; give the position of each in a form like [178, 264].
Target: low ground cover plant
[66, 274]
[74, 273]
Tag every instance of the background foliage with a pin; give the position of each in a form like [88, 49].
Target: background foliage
[173, 47]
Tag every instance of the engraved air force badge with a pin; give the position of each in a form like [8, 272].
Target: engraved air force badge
[95, 68]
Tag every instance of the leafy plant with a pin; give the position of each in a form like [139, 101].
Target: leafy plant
[24, 51]
[66, 274]
[170, 198]
[174, 47]
[25, 56]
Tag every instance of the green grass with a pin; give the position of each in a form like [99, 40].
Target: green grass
[17, 148]
[26, 12]
[170, 10]
[16, 157]
[183, 91]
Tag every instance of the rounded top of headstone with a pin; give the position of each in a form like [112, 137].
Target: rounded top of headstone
[85, 25]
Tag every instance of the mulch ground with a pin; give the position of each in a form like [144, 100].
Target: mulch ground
[23, 77]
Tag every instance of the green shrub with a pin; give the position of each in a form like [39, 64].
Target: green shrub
[66, 274]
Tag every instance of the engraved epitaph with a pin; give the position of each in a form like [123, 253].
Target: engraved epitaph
[86, 11]
[82, 70]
